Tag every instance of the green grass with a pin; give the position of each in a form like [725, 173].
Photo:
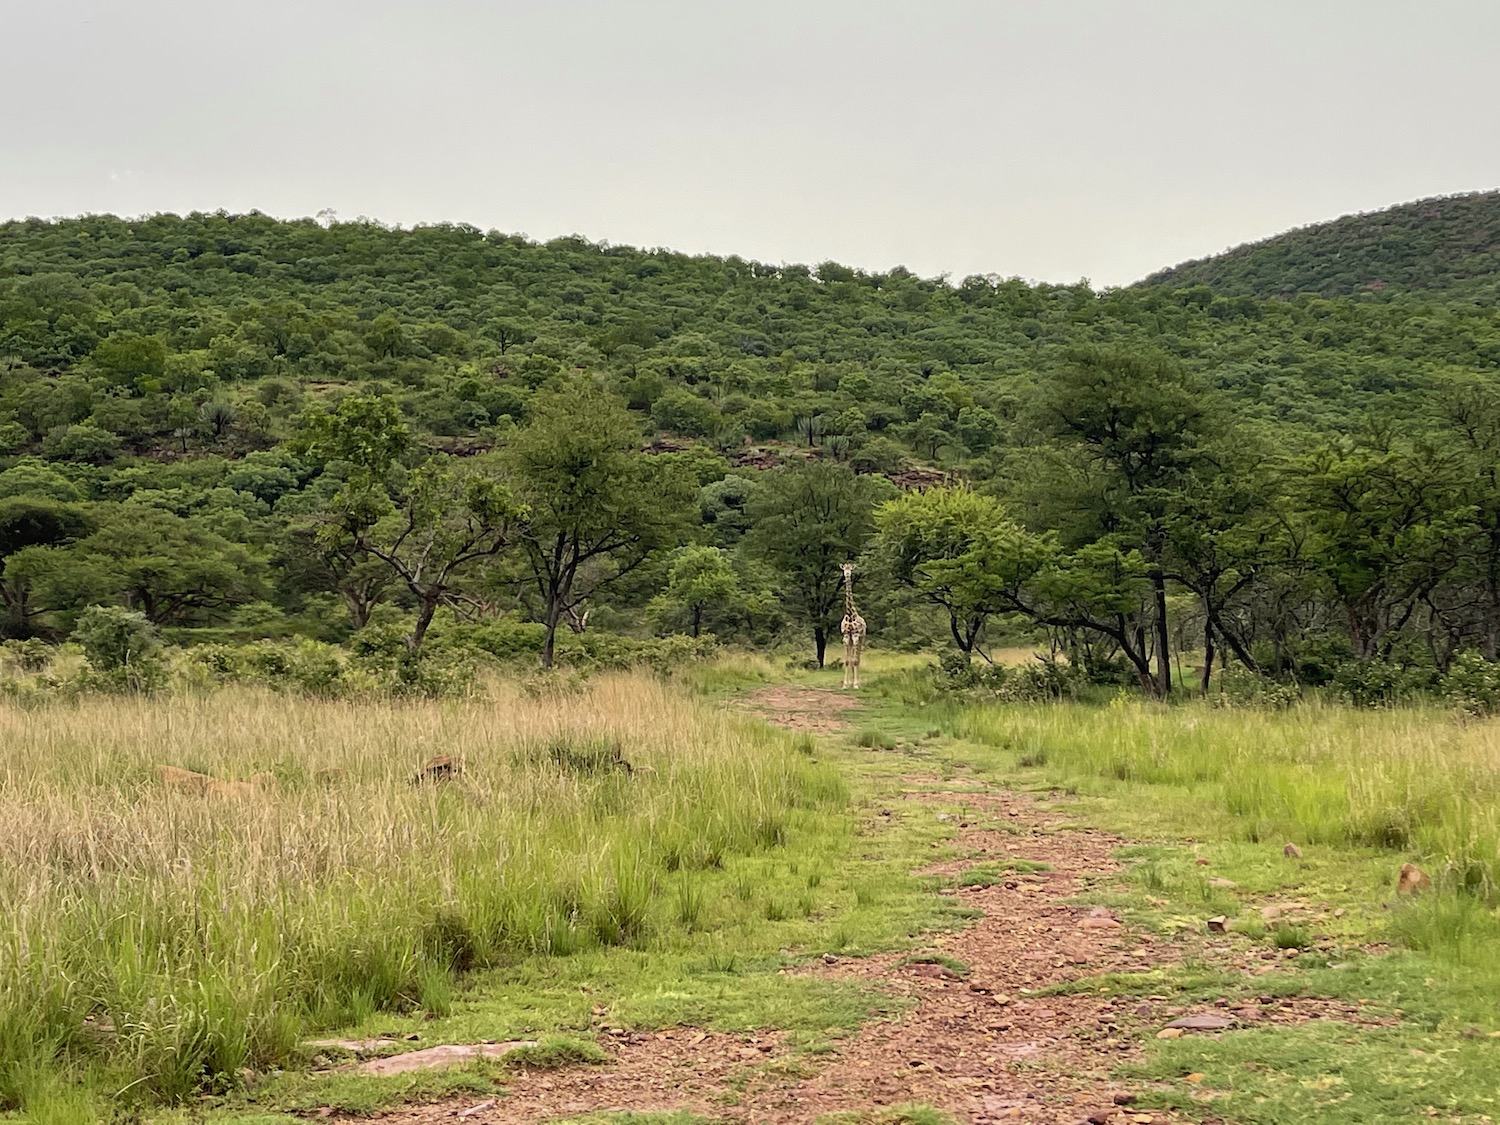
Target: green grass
[701, 938]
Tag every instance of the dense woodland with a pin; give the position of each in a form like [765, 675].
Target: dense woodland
[412, 441]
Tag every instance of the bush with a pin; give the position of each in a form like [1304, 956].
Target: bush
[1041, 681]
[1379, 683]
[83, 442]
[957, 672]
[30, 655]
[1472, 685]
[121, 647]
[1240, 687]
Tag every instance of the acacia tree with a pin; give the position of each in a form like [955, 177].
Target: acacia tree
[445, 517]
[698, 578]
[805, 522]
[31, 523]
[428, 525]
[959, 551]
[1138, 425]
[170, 568]
[597, 507]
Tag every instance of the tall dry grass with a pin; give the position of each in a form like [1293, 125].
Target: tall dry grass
[169, 939]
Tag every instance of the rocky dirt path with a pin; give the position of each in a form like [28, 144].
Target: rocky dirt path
[982, 1047]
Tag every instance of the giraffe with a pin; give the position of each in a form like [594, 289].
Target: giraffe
[853, 629]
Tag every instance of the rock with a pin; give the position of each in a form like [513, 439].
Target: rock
[441, 768]
[1169, 1033]
[1203, 1021]
[1123, 1099]
[478, 1107]
[1270, 913]
[1201, 861]
[1101, 1117]
[1292, 851]
[830, 959]
[1099, 918]
[435, 1058]
[1194, 1078]
[1218, 924]
[1411, 880]
[1223, 884]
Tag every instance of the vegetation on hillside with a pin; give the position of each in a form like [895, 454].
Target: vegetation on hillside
[1446, 243]
[245, 429]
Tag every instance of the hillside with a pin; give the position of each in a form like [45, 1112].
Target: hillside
[205, 417]
[1446, 243]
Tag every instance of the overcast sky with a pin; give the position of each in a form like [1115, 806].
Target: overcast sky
[1051, 139]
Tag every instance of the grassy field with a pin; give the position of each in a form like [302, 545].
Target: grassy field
[152, 938]
[641, 849]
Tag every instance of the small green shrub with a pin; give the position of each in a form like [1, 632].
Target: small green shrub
[1040, 681]
[1472, 685]
[30, 655]
[1240, 687]
[121, 647]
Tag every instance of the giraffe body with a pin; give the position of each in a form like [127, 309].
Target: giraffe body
[853, 629]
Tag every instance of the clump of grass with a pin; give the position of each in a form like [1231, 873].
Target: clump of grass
[873, 739]
[1289, 935]
[990, 874]
[555, 1052]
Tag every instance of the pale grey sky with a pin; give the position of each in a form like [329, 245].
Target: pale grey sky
[1053, 139]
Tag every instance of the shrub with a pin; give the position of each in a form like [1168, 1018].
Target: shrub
[82, 442]
[30, 655]
[1041, 681]
[1379, 683]
[121, 647]
[1240, 687]
[1472, 684]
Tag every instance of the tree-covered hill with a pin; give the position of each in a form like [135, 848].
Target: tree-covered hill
[244, 428]
[1446, 243]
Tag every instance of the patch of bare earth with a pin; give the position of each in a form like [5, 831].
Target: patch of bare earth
[815, 710]
[983, 1047]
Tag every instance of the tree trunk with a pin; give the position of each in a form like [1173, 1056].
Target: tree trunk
[1237, 646]
[426, 610]
[697, 619]
[820, 638]
[965, 642]
[1163, 664]
[1208, 655]
[359, 610]
[549, 639]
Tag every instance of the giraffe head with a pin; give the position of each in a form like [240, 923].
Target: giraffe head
[848, 569]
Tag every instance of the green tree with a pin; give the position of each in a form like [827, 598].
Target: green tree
[699, 578]
[175, 570]
[597, 508]
[24, 523]
[444, 518]
[958, 550]
[805, 522]
[1137, 424]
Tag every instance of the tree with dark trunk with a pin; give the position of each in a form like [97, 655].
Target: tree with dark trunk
[806, 521]
[597, 506]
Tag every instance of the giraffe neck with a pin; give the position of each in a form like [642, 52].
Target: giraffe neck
[849, 598]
